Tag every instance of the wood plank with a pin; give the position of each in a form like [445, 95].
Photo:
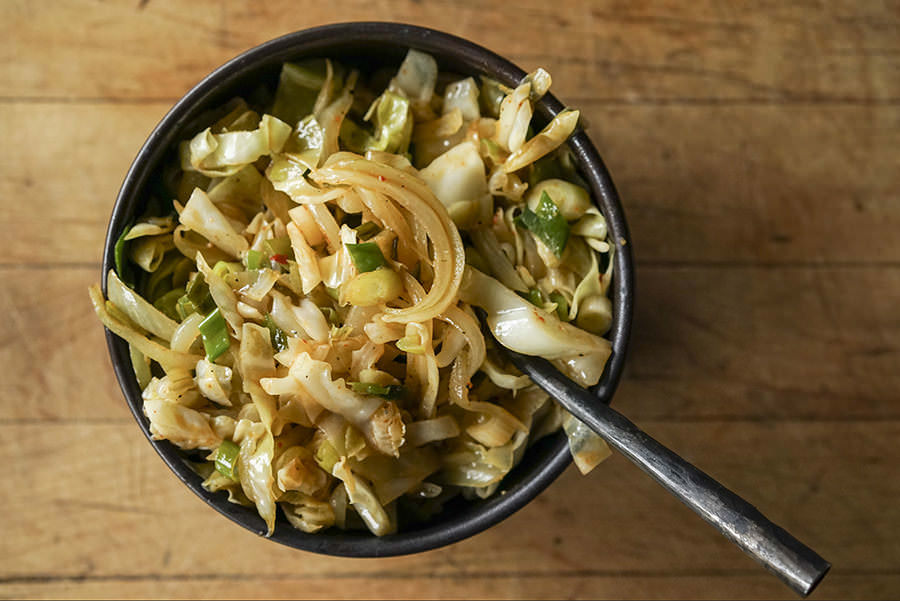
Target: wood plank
[709, 51]
[522, 586]
[50, 329]
[708, 343]
[762, 184]
[655, 52]
[793, 343]
[124, 50]
[755, 146]
[70, 161]
[755, 184]
[94, 504]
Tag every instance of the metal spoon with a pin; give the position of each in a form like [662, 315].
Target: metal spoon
[797, 565]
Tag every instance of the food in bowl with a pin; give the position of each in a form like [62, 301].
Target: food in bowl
[302, 302]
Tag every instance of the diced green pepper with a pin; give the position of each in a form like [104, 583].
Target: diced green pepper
[226, 459]
[366, 256]
[214, 331]
[547, 223]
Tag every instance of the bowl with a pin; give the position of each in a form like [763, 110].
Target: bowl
[370, 44]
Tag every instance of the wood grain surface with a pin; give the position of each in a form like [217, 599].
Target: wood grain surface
[756, 147]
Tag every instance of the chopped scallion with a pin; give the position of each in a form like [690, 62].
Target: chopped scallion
[214, 330]
[254, 259]
[367, 230]
[366, 256]
[226, 459]
[391, 391]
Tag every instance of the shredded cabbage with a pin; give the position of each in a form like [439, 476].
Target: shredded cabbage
[331, 249]
[219, 155]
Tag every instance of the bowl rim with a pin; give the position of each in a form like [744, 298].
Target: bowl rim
[480, 515]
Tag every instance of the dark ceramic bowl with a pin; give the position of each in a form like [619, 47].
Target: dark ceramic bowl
[369, 45]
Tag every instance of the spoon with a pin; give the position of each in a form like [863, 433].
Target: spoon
[797, 565]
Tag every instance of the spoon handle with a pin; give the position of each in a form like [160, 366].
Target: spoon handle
[797, 565]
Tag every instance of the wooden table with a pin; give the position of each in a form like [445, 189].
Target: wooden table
[756, 146]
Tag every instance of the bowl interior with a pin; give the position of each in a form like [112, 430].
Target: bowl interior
[368, 46]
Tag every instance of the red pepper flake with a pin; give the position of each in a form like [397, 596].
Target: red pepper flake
[381, 178]
[280, 259]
